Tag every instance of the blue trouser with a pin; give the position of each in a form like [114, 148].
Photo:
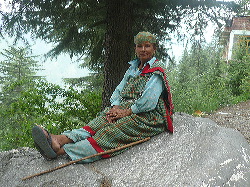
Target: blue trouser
[80, 147]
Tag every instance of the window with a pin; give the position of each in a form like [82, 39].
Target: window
[244, 42]
[248, 45]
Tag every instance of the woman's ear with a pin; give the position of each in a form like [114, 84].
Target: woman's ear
[154, 46]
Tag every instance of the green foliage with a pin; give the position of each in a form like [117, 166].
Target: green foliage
[27, 100]
[200, 81]
[17, 66]
[78, 108]
[244, 7]
[239, 71]
[47, 105]
[17, 75]
[17, 63]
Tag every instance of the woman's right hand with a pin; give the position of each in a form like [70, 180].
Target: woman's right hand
[116, 113]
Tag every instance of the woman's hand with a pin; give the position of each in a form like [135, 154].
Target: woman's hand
[116, 113]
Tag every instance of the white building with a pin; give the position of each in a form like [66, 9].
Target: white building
[237, 28]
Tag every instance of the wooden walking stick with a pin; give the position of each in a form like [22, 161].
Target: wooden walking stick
[84, 158]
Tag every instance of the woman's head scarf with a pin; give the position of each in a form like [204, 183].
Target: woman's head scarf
[144, 37]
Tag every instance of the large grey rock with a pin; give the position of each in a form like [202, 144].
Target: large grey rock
[17, 164]
[199, 153]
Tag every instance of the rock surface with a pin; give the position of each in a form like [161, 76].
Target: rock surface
[234, 116]
[199, 153]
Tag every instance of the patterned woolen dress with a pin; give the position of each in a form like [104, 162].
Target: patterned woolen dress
[147, 93]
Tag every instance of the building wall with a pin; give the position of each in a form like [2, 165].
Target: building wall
[238, 26]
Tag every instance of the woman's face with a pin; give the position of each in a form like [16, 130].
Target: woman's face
[145, 51]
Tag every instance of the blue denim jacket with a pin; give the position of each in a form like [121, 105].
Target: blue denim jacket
[152, 91]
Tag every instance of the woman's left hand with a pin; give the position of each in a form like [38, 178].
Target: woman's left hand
[116, 113]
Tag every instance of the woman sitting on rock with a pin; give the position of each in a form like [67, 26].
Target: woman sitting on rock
[141, 107]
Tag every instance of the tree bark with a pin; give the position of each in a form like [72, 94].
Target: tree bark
[118, 44]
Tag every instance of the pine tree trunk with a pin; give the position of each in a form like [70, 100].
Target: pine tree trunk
[118, 44]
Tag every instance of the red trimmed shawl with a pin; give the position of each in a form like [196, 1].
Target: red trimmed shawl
[168, 99]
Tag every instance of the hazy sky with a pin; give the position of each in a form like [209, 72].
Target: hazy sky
[57, 68]
[54, 69]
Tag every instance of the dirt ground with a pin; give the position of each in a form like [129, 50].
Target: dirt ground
[235, 116]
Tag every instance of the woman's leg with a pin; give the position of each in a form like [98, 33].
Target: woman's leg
[79, 150]
[73, 143]
[57, 141]
[68, 137]
[52, 145]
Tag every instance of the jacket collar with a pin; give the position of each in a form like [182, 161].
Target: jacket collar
[135, 63]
